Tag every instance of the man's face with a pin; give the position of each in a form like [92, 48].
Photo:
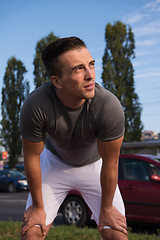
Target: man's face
[77, 80]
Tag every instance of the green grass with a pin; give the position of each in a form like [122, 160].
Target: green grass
[11, 231]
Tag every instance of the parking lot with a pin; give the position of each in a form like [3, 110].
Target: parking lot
[12, 206]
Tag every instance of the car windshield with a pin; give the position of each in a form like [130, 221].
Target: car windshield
[155, 170]
[156, 159]
[15, 174]
[153, 157]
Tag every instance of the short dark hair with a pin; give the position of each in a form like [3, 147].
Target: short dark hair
[55, 49]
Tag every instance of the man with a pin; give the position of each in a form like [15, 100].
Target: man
[82, 127]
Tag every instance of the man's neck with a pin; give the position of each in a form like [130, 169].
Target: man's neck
[68, 102]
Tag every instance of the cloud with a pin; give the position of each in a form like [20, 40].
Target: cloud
[153, 6]
[133, 18]
[146, 43]
[150, 74]
[144, 15]
[137, 64]
[147, 28]
[144, 53]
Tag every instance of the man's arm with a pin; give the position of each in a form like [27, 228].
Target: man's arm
[35, 215]
[110, 216]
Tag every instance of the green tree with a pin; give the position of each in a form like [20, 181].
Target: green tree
[118, 75]
[14, 91]
[39, 69]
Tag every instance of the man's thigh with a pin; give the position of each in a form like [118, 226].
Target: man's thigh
[90, 188]
[55, 184]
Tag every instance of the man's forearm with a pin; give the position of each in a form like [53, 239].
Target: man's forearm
[110, 215]
[32, 151]
[109, 151]
[109, 178]
[33, 175]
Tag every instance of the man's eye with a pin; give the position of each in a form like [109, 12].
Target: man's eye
[92, 64]
[78, 69]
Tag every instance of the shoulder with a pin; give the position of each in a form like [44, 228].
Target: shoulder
[110, 115]
[41, 91]
[39, 97]
[35, 113]
[38, 104]
[105, 99]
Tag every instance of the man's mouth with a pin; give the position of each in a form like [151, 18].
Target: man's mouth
[90, 86]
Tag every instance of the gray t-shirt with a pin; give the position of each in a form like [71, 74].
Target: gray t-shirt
[71, 134]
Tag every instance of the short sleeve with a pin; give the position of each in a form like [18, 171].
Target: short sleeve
[32, 121]
[111, 119]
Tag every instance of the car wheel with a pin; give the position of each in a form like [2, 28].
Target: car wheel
[74, 211]
[11, 188]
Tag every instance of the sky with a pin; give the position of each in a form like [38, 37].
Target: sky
[24, 23]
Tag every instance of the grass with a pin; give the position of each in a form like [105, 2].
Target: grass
[11, 231]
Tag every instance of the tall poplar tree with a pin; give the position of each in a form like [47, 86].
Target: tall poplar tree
[39, 69]
[14, 91]
[118, 76]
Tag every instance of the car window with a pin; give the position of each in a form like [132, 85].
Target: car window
[2, 174]
[154, 170]
[136, 170]
[15, 174]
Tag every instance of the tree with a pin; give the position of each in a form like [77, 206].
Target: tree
[14, 92]
[118, 76]
[39, 69]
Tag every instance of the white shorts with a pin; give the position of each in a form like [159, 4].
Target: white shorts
[59, 178]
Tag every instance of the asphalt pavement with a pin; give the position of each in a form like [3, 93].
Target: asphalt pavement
[12, 206]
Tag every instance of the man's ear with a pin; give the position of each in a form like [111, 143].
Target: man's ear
[56, 81]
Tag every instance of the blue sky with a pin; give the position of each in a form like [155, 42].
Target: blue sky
[23, 23]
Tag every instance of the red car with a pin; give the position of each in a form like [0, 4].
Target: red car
[139, 183]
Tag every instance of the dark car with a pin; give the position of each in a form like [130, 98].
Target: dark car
[139, 183]
[19, 167]
[12, 181]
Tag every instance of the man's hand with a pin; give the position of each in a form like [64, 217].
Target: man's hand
[34, 216]
[113, 218]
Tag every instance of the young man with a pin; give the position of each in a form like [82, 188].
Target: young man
[82, 127]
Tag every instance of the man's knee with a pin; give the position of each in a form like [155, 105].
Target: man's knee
[33, 233]
[111, 234]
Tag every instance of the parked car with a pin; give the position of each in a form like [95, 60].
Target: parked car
[19, 167]
[12, 181]
[75, 210]
[139, 183]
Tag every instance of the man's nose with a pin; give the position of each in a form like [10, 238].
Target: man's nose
[89, 73]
